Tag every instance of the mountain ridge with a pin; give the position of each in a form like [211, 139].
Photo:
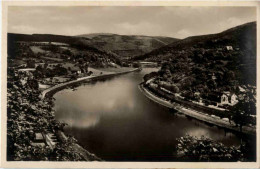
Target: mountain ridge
[126, 45]
[121, 45]
[240, 32]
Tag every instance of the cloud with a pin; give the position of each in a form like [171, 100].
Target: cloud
[141, 28]
[178, 22]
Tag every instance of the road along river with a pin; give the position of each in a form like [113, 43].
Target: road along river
[114, 120]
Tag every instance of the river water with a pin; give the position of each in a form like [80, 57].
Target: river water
[115, 121]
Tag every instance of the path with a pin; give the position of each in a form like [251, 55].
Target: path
[96, 77]
[195, 114]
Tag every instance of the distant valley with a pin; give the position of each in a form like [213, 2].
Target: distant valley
[126, 45]
[123, 46]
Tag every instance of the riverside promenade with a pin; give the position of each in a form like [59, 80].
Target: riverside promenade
[61, 86]
[195, 114]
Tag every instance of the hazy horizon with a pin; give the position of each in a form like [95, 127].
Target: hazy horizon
[175, 22]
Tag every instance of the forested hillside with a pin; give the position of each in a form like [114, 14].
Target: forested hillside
[57, 48]
[209, 64]
[126, 46]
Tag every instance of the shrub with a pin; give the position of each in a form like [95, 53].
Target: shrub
[191, 148]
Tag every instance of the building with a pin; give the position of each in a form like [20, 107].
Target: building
[224, 99]
[233, 99]
[75, 70]
[228, 99]
[229, 47]
[213, 76]
[241, 89]
[79, 72]
[26, 70]
[197, 94]
[153, 85]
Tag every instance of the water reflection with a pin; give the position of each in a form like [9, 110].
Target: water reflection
[114, 120]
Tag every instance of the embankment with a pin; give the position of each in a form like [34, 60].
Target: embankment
[195, 114]
[52, 90]
[86, 155]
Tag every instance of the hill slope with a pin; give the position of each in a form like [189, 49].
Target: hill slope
[57, 48]
[208, 64]
[41, 38]
[121, 45]
[243, 37]
[126, 45]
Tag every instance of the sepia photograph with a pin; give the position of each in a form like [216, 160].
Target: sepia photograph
[131, 83]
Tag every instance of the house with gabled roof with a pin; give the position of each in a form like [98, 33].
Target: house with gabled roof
[228, 98]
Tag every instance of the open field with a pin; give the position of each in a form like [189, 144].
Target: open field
[112, 69]
[37, 49]
[54, 59]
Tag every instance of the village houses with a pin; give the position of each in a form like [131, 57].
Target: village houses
[228, 98]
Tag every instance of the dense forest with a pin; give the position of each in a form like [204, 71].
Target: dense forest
[209, 63]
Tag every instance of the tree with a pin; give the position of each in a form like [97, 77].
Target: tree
[39, 72]
[198, 58]
[33, 84]
[90, 73]
[150, 76]
[229, 76]
[45, 65]
[243, 109]
[59, 70]
[39, 68]
[136, 65]
[38, 153]
[212, 84]
[174, 88]
[191, 148]
[30, 63]
[169, 86]
[188, 95]
[86, 67]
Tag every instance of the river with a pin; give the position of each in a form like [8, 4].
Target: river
[115, 121]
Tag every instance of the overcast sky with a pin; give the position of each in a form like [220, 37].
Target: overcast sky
[178, 22]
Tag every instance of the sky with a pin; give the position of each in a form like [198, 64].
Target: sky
[177, 22]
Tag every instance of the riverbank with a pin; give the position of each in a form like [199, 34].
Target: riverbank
[33, 133]
[74, 146]
[195, 114]
[52, 90]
